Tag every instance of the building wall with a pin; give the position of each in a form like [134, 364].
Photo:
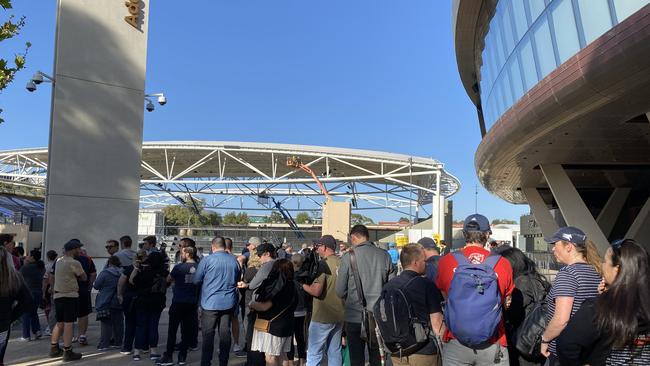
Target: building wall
[527, 39]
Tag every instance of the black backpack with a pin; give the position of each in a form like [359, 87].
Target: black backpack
[528, 336]
[310, 269]
[401, 337]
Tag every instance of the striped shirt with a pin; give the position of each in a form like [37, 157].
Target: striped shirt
[579, 281]
[639, 354]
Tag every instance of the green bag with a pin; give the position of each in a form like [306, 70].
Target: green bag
[345, 353]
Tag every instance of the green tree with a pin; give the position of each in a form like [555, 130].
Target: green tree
[404, 219]
[184, 215]
[356, 219]
[276, 217]
[303, 218]
[9, 29]
[231, 218]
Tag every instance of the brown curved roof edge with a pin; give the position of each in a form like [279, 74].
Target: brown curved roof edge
[606, 83]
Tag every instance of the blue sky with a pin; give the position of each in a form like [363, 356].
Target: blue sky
[367, 74]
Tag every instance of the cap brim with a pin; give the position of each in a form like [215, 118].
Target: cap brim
[552, 239]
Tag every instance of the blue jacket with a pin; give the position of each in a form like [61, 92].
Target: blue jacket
[106, 284]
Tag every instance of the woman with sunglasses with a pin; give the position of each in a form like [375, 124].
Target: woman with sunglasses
[574, 283]
[613, 329]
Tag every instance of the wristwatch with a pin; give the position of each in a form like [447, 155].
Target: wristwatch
[545, 342]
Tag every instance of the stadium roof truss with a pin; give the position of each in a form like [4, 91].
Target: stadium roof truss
[244, 176]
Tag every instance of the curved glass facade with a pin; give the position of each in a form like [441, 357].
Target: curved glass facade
[527, 39]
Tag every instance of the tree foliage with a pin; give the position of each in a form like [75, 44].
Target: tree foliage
[276, 217]
[356, 219]
[9, 29]
[304, 218]
[232, 218]
[184, 215]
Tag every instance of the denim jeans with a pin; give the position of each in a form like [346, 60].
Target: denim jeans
[324, 336]
[146, 328]
[211, 320]
[30, 317]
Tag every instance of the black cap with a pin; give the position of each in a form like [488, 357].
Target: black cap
[72, 245]
[328, 241]
[570, 234]
[265, 248]
[427, 243]
[476, 222]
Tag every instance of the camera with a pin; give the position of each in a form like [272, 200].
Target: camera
[162, 100]
[31, 86]
[150, 107]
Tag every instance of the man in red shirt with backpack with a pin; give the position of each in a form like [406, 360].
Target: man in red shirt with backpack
[476, 284]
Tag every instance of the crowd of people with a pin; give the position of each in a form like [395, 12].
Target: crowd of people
[340, 303]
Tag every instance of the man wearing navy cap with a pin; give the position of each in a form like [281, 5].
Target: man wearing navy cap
[432, 257]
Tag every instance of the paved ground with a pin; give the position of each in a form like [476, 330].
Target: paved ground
[35, 353]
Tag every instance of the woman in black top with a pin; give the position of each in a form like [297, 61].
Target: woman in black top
[14, 298]
[150, 281]
[33, 271]
[276, 341]
[613, 329]
[530, 290]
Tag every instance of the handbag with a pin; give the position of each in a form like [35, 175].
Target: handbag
[367, 319]
[103, 314]
[264, 325]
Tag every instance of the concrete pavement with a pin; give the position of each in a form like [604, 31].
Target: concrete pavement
[35, 353]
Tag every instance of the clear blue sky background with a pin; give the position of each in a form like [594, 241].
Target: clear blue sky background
[367, 74]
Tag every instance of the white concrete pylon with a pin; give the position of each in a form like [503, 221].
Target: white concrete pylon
[573, 208]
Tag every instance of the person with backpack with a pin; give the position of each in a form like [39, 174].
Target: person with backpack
[477, 285]
[530, 291]
[364, 271]
[409, 313]
[574, 283]
[327, 318]
[149, 279]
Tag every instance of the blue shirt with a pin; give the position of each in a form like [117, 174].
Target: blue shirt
[219, 273]
[185, 291]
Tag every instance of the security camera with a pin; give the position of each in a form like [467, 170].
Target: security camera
[162, 100]
[37, 78]
[150, 106]
[30, 86]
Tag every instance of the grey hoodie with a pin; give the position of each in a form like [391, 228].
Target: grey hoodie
[106, 284]
[126, 257]
[375, 269]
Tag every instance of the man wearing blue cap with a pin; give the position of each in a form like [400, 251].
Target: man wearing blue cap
[457, 350]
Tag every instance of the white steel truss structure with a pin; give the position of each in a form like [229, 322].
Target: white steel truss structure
[245, 176]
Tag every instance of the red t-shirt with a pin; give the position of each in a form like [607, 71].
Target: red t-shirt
[475, 254]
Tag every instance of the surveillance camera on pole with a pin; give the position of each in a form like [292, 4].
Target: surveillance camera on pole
[160, 98]
[38, 78]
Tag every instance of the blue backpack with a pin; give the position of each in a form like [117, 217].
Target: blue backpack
[473, 309]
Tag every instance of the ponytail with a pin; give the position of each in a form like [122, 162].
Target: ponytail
[591, 256]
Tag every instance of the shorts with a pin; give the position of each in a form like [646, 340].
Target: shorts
[85, 305]
[65, 309]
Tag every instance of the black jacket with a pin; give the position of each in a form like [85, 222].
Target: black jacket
[581, 343]
[12, 307]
